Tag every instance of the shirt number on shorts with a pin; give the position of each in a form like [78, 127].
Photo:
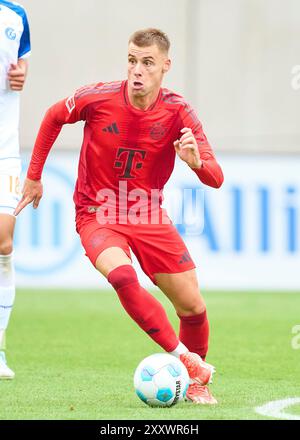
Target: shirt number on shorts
[14, 185]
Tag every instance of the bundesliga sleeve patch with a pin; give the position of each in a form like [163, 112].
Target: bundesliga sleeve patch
[70, 103]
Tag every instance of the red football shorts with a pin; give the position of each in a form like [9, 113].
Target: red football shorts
[159, 248]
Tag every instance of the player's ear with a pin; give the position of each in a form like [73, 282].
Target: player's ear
[166, 66]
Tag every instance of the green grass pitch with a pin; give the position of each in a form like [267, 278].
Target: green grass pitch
[75, 352]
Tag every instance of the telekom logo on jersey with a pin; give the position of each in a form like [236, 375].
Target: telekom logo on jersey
[127, 156]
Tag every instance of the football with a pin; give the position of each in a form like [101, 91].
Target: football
[161, 380]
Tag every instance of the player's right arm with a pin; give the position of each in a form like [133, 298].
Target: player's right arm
[18, 71]
[17, 75]
[67, 111]
[32, 193]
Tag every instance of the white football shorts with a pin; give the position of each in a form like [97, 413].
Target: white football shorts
[10, 188]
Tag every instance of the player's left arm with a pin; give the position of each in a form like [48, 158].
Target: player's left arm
[187, 149]
[193, 148]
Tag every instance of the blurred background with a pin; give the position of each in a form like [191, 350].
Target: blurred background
[238, 63]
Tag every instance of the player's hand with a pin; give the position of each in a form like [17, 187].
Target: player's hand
[187, 148]
[16, 77]
[32, 192]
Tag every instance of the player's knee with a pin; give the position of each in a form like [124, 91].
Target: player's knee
[122, 276]
[6, 247]
[191, 308]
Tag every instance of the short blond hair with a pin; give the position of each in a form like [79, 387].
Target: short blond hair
[150, 36]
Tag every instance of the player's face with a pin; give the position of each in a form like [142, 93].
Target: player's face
[146, 68]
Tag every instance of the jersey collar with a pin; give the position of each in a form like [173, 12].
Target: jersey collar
[137, 110]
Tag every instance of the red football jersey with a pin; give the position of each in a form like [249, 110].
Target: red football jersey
[124, 148]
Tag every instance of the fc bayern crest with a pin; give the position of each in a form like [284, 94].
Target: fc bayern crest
[157, 131]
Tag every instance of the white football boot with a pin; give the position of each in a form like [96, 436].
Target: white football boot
[5, 371]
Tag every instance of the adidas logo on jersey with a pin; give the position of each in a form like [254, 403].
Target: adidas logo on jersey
[113, 129]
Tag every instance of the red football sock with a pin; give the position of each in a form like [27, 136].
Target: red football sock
[143, 308]
[194, 333]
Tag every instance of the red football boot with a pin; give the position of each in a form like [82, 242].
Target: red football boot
[199, 371]
[200, 394]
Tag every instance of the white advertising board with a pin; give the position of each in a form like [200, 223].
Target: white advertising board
[245, 235]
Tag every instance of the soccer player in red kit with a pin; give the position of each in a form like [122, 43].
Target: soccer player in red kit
[133, 130]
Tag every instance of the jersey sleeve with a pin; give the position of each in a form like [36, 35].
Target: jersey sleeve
[67, 111]
[25, 46]
[210, 172]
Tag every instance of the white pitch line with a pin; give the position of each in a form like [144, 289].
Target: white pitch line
[276, 409]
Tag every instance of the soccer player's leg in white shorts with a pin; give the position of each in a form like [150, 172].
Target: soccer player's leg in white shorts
[9, 197]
